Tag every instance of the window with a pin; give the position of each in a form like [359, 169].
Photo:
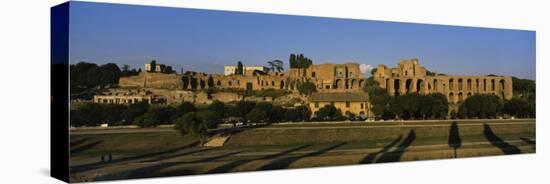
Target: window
[362, 106]
[312, 74]
[347, 104]
[316, 104]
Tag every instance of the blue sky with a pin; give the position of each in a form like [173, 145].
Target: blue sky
[206, 40]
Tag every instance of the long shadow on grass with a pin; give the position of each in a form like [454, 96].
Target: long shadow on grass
[230, 166]
[77, 142]
[371, 156]
[529, 141]
[95, 165]
[395, 155]
[498, 142]
[285, 162]
[156, 169]
[236, 130]
[83, 147]
[454, 138]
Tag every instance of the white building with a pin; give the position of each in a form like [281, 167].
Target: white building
[230, 70]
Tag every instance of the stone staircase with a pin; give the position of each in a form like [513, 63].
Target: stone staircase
[216, 141]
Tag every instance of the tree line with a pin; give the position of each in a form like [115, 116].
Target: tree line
[146, 115]
[299, 61]
[86, 75]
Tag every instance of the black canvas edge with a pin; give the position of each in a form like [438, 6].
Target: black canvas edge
[59, 92]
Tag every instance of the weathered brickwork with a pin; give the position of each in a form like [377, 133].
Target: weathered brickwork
[411, 77]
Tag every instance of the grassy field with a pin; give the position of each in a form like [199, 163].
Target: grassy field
[138, 154]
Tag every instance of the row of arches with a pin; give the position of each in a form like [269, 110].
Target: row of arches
[456, 89]
[349, 84]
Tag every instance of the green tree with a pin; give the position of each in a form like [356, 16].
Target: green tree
[257, 115]
[329, 112]
[218, 107]
[240, 69]
[149, 119]
[517, 107]
[303, 113]
[276, 65]
[190, 124]
[307, 88]
[208, 118]
[243, 108]
[184, 108]
[379, 99]
[482, 106]
[153, 65]
[134, 110]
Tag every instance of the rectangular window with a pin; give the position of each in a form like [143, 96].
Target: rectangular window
[347, 104]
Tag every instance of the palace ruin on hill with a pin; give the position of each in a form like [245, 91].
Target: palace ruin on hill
[335, 83]
[410, 77]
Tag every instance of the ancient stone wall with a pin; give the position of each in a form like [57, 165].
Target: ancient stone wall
[151, 80]
[410, 77]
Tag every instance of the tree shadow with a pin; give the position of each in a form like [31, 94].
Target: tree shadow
[84, 147]
[285, 162]
[95, 165]
[529, 141]
[455, 141]
[230, 166]
[498, 142]
[156, 169]
[371, 156]
[396, 154]
[236, 130]
[162, 157]
[78, 142]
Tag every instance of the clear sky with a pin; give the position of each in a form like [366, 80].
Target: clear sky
[206, 40]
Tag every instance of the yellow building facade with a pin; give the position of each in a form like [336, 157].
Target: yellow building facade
[347, 102]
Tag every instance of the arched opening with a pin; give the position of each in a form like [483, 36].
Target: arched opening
[451, 97]
[338, 84]
[408, 85]
[396, 86]
[229, 83]
[501, 84]
[469, 94]
[272, 83]
[436, 84]
[353, 83]
[419, 85]
[361, 83]
[388, 85]
[451, 84]
[219, 83]
[460, 97]
[492, 84]
[282, 84]
[484, 85]
[477, 85]
[469, 84]
[460, 84]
